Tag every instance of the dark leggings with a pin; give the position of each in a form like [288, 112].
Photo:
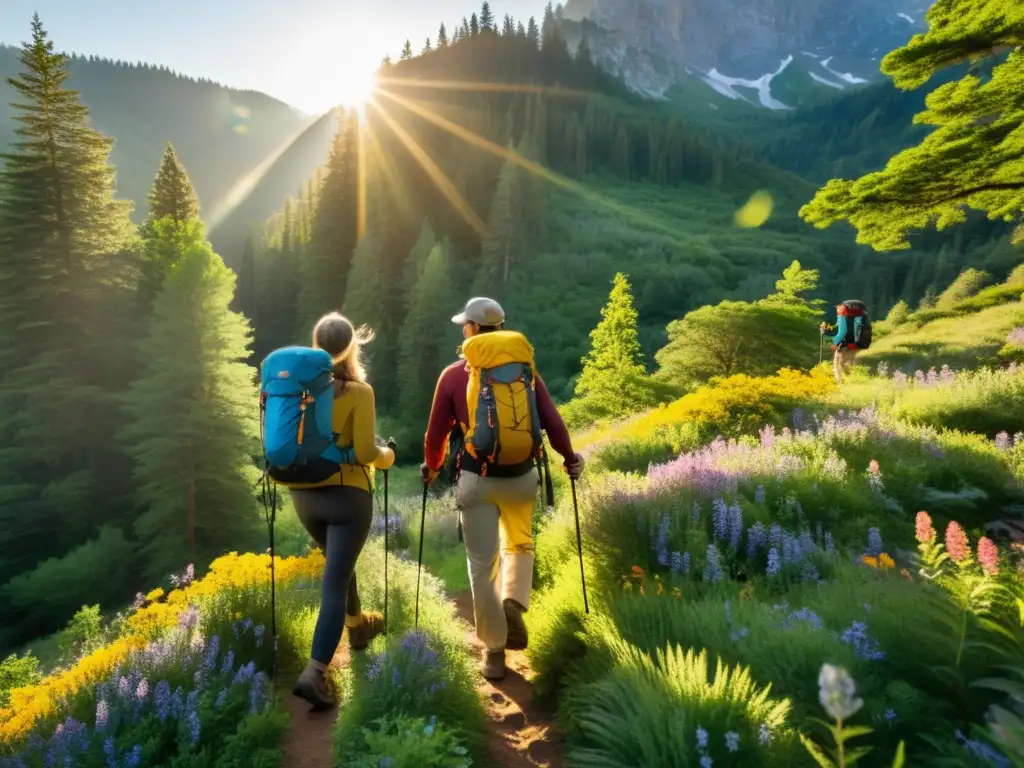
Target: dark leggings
[338, 518]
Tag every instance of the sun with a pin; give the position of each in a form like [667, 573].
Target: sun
[356, 87]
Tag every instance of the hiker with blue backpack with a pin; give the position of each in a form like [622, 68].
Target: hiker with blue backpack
[320, 442]
[852, 334]
[496, 397]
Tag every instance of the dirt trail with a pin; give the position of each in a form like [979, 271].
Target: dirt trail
[308, 744]
[520, 732]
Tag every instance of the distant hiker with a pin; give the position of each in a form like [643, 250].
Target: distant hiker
[852, 334]
[338, 511]
[496, 382]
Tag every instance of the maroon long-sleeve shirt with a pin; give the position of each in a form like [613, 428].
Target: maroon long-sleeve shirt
[450, 408]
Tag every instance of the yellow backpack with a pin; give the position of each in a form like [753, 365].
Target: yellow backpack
[504, 424]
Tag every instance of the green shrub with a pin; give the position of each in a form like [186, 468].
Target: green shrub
[83, 634]
[16, 672]
[400, 741]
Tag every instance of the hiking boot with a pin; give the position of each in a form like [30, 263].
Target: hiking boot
[494, 665]
[360, 637]
[518, 638]
[314, 687]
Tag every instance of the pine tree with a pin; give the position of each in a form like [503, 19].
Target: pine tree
[192, 426]
[426, 47]
[173, 214]
[520, 30]
[464, 30]
[547, 29]
[442, 37]
[335, 229]
[613, 374]
[506, 242]
[971, 158]
[245, 293]
[365, 301]
[63, 315]
[474, 26]
[533, 32]
[509, 27]
[417, 262]
[406, 53]
[172, 193]
[427, 341]
[486, 17]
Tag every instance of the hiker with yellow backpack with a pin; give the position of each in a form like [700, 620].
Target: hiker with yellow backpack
[319, 439]
[496, 397]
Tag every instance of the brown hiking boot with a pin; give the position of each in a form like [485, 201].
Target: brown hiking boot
[518, 638]
[494, 665]
[360, 637]
[314, 687]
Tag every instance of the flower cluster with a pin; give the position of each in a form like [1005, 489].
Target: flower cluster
[160, 612]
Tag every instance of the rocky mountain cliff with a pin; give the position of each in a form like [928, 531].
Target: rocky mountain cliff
[741, 47]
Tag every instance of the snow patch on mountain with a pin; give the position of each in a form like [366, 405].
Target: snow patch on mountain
[726, 85]
[844, 76]
[825, 81]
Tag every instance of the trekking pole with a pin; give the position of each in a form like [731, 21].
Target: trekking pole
[419, 563]
[392, 446]
[270, 511]
[579, 545]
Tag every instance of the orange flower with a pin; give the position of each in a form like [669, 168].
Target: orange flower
[885, 561]
[869, 561]
[638, 572]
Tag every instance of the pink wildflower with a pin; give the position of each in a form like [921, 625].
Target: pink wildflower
[988, 555]
[957, 545]
[925, 531]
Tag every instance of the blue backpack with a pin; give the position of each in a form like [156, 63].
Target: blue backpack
[297, 404]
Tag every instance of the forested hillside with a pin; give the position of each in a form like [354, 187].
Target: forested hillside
[499, 161]
[222, 134]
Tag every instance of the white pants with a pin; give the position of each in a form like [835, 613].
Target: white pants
[490, 506]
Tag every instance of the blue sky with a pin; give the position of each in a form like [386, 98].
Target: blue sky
[295, 50]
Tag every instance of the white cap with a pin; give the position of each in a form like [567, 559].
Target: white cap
[482, 311]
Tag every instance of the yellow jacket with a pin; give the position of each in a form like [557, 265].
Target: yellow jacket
[355, 422]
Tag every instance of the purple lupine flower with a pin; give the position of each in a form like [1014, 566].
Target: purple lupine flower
[374, 670]
[767, 437]
[830, 543]
[177, 703]
[932, 377]
[142, 690]
[798, 418]
[220, 698]
[810, 574]
[759, 494]
[720, 518]
[735, 526]
[680, 562]
[1003, 442]
[804, 615]
[695, 513]
[244, 674]
[134, 758]
[756, 538]
[774, 562]
[124, 687]
[1016, 337]
[890, 715]
[394, 677]
[807, 545]
[947, 375]
[776, 536]
[258, 632]
[228, 664]
[834, 467]
[764, 734]
[192, 719]
[140, 600]
[899, 379]
[189, 618]
[883, 370]
[102, 714]
[702, 738]
[875, 545]
[210, 656]
[110, 750]
[732, 741]
[791, 552]
[713, 566]
[661, 541]
[162, 700]
[865, 646]
[256, 693]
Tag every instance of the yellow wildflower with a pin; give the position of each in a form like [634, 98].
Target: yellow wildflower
[154, 595]
[885, 561]
[677, 592]
[869, 561]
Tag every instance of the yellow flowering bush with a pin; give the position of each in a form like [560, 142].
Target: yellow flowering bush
[740, 403]
[228, 576]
